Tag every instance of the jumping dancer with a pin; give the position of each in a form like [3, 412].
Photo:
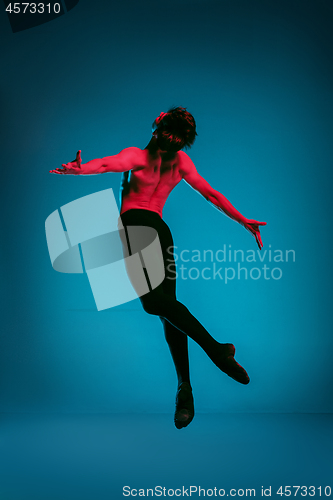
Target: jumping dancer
[148, 177]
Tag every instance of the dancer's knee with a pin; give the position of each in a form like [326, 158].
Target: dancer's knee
[159, 306]
[153, 307]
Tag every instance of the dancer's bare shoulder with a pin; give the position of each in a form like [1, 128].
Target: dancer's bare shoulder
[191, 176]
[185, 164]
[131, 158]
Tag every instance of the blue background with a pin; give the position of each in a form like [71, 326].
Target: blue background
[257, 76]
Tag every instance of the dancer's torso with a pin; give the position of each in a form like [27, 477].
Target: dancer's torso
[149, 183]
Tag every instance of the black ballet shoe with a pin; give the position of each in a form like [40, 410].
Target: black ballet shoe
[225, 360]
[184, 406]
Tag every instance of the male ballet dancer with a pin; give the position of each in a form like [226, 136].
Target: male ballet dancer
[149, 176]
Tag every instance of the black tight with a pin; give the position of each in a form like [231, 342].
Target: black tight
[177, 320]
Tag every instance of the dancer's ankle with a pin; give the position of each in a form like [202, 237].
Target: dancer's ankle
[184, 384]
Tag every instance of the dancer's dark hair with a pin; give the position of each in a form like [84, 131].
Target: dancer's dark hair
[176, 130]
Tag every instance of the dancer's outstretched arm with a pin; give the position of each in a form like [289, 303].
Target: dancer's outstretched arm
[122, 162]
[197, 182]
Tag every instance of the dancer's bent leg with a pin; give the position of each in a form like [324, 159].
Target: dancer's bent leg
[180, 317]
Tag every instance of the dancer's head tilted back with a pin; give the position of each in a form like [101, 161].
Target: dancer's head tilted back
[175, 129]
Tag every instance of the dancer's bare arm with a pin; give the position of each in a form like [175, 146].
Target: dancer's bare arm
[197, 182]
[123, 161]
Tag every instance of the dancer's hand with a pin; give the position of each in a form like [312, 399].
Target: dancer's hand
[253, 227]
[71, 168]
